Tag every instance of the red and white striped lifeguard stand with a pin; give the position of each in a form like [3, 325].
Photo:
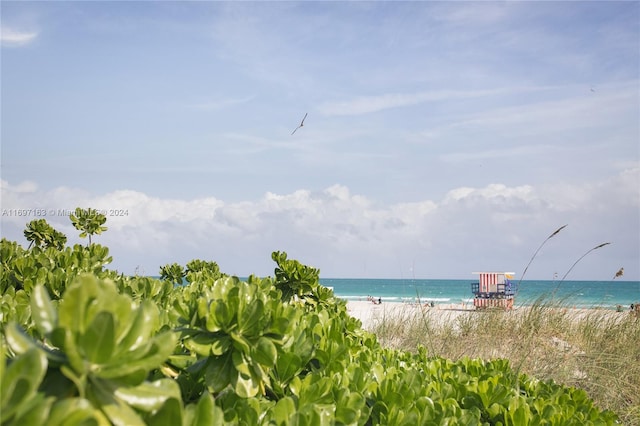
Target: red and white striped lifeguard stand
[494, 290]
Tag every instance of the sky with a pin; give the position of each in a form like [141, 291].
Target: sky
[441, 138]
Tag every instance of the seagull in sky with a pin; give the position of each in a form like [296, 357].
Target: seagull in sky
[301, 123]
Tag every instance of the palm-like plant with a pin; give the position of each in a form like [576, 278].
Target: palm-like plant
[58, 240]
[88, 221]
[174, 273]
[40, 234]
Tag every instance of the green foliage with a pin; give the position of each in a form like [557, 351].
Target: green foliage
[198, 270]
[23, 269]
[104, 350]
[40, 234]
[88, 221]
[294, 279]
[173, 273]
[85, 345]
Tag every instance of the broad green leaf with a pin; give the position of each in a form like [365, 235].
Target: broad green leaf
[316, 389]
[35, 412]
[265, 352]
[287, 365]
[170, 414]
[346, 415]
[283, 410]
[98, 340]
[349, 411]
[199, 344]
[21, 381]
[220, 345]
[18, 340]
[119, 413]
[181, 361]
[240, 363]
[144, 321]
[222, 287]
[240, 343]
[42, 311]
[249, 318]
[520, 416]
[134, 335]
[72, 309]
[75, 358]
[3, 361]
[75, 411]
[149, 396]
[295, 386]
[218, 372]
[246, 386]
[220, 316]
[206, 344]
[202, 413]
[133, 369]
[129, 374]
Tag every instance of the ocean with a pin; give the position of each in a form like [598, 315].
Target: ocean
[579, 294]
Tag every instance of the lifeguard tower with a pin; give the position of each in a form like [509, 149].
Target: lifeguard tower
[494, 290]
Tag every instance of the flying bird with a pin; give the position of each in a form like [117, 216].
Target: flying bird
[619, 273]
[301, 124]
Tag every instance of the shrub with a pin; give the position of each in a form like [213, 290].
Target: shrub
[85, 345]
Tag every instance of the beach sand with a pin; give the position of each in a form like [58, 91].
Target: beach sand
[371, 314]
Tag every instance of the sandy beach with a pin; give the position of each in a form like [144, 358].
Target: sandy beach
[591, 348]
[372, 314]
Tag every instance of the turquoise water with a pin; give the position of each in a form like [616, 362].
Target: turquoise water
[583, 294]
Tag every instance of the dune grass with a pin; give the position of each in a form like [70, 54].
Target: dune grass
[595, 350]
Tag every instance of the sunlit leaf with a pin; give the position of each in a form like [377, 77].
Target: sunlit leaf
[149, 396]
[17, 340]
[20, 381]
[218, 372]
[265, 352]
[98, 340]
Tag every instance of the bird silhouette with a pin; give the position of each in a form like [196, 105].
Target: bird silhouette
[619, 273]
[301, 124]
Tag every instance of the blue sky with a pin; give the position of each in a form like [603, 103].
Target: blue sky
[441, 138]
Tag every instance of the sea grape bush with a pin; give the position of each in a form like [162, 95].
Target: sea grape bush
[98, 349]
[41, 234]
[85, 345]
[88, 221]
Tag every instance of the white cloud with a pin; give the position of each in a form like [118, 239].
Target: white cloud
[493, 195]
[26, 186]
[347, 234]
[15, 38]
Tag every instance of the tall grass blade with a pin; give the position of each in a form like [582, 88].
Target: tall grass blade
[537, 250]
[582, 257]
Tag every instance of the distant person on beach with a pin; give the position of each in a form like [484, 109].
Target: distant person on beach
[379, 300]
